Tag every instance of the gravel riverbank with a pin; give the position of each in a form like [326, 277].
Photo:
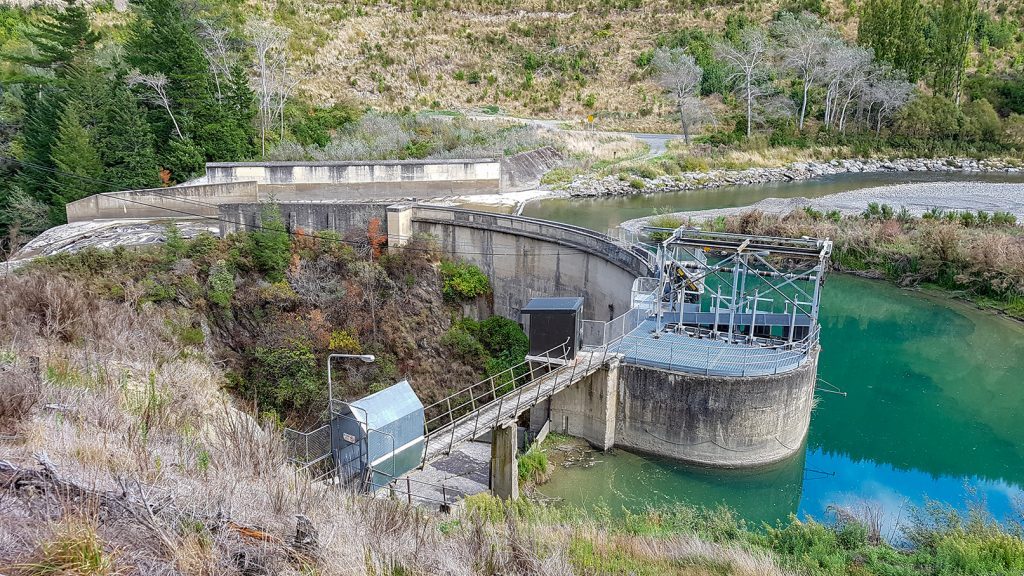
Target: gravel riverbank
[917, 198]
[591, 186]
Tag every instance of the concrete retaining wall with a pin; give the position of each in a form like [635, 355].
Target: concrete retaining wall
[175, 202]
[355, 181]
[523, 171]
[525, 257]
[712, 420]
[306, 216]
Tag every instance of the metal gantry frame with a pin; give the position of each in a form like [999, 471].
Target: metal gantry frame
[788, 271]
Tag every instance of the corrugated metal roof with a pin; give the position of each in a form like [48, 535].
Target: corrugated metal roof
[559, 304]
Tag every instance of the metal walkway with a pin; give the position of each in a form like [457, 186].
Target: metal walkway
[681, 352]
[499, 400]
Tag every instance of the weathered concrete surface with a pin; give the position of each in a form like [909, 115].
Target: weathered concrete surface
[307, 216]
[587, 409]
[175, 202]
[525, 257]
[715, 420]
[505, 462]
[361, 181]
[523, 171]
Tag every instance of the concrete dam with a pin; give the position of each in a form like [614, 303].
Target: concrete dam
[699, 346]
[700, 370]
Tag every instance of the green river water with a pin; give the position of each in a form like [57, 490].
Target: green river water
[933, 406]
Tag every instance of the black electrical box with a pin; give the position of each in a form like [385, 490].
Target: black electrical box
[552, 322]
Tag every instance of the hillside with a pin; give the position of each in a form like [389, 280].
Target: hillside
[555, 58]
[559, 58]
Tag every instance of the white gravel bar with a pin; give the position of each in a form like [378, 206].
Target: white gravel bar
[917, 198]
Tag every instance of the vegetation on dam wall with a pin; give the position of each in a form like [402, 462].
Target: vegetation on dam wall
[974, 255]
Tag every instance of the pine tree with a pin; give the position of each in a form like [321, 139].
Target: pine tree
[73, 155]
[164, 41]
[125, 142]
[59, 37]
[43, 104]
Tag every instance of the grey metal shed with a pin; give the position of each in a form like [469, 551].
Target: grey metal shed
[550, 322]
[382, 432]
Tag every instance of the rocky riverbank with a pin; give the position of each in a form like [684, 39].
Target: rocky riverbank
[590, 186]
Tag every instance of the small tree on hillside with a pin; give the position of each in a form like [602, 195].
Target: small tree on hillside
[749, 60]
[886, 96]
[76, 159]
[804, 45]
[679, 75]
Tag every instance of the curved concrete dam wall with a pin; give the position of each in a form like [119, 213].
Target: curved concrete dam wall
[719, 421]
[526, 257]
[523, 257]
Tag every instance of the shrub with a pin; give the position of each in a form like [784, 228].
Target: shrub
[462, 281]
[343, 342]
[270, 247]
[74, 548]
[533, 466]
[504, 339]
[283, 378]
[22, 392]
[464, 344]
[220, 286]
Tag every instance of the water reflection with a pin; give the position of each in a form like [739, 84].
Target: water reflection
[932, 412]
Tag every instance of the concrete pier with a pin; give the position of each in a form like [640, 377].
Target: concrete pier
[588, 408]
[505, 462]
[721, 421]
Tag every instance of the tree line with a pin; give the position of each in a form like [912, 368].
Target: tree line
[144, 104]
[908, 72]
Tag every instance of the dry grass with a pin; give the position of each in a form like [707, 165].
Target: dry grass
[466, 55]
[121, 412]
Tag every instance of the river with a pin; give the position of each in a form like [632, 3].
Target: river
[933, 396]
[607, 212]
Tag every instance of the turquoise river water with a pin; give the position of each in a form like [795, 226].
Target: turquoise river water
[933, 405]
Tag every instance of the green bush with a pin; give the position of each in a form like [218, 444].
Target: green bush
[504, 339]
[464, 344]
[220, 286]
[269, 248]
[533, 466]
[284, 379]
[462, 281]
[310, 125]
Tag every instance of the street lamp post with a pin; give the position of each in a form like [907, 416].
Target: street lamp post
[368, 358]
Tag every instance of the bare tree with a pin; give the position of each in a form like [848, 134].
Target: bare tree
[804, 47]
[679, 75]
[157, 83]
[216, 48]
[860, 73]
[749, 61]
[273, 82]
[886, 96]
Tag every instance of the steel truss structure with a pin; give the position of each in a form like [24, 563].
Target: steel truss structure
[743, 289]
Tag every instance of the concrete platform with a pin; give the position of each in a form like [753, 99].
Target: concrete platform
[682, 353]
